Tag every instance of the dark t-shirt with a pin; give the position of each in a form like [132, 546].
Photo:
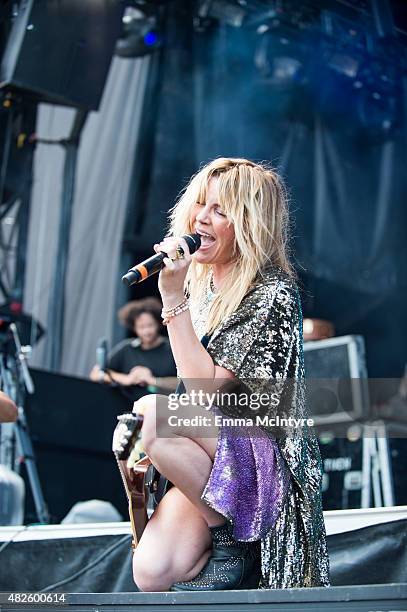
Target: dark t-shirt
[128, 354]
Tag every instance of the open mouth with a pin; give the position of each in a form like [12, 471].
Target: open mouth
[206, 239]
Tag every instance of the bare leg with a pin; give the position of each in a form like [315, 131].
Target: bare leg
[175, 545]
[185, 461]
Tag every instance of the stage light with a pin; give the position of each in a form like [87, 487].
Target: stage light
[140, 33]
[278, 59]
[286, 34]
[379, 113]
[354, 433]
[326, 437]
[343, 63]
[231, 12]
[285, 70]
[151, 38]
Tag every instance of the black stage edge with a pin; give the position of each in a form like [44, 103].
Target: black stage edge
[370, 597]
[388, 597]
[376, 554]
[368, 572]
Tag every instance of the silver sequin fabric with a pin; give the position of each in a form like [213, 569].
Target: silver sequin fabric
[262, 342]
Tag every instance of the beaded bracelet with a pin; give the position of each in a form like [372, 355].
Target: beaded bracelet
[169, 314]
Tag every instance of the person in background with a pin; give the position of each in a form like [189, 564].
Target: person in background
[8, 409]
[145, 363]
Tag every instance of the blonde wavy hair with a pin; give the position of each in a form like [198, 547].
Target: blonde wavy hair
[254, 200]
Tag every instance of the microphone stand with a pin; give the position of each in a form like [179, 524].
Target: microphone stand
[16, 381]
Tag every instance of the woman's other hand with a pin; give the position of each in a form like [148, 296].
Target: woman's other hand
[172, 276]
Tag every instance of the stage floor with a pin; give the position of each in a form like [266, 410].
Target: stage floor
[390, 597]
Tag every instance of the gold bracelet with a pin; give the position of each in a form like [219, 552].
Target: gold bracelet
[170, 313]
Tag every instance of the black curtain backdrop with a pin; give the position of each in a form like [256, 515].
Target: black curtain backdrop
[346, 179]
[102, 564]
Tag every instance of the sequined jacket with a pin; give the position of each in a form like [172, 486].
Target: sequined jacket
[262, 340]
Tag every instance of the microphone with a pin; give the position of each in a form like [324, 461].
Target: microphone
[101, 358]
[154, 264]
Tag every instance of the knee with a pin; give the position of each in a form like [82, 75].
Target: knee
[150, 577]
[151, 406]
[145, 405]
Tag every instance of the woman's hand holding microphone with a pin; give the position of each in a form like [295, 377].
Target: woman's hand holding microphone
[172, 276]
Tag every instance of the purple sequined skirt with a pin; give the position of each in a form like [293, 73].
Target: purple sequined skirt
[248, 482]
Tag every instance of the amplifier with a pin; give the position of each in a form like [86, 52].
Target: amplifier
[337, 398]
[337, 386]
[342, 472]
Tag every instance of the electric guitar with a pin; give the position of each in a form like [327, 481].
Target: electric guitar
[133, 465]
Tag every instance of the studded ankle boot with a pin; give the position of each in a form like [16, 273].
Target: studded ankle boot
[232, 565]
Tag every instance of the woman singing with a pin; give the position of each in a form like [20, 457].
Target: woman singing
[245, 509]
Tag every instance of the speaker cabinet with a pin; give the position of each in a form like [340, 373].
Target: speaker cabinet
[59, 51]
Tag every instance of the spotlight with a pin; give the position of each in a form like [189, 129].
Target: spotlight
[279, 60]
[326, 437]
[378, 113]
[231, 12]
[140, 33]
[354, 433]
[285, 32]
